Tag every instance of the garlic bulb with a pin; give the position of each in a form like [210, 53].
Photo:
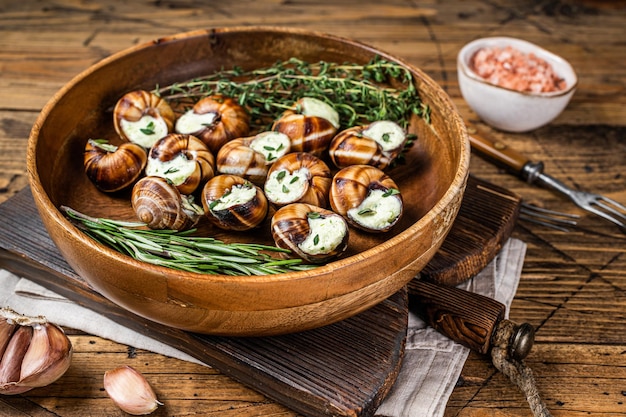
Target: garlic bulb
[298, 177]
[215, 120]
[182, 159]
[377, 144]
[160, 205]
[314, 234]
[143, 118]
[367, 198]
[251, 157]
[35, 352]
[234, 203]
[310, 124]
[130, 391]
[112, 168]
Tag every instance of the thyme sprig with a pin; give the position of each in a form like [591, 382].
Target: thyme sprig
[379, 90]
[182, 251]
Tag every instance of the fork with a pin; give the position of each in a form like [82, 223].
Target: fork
[532, 172]
[548, 218]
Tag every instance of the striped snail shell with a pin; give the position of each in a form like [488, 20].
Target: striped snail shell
[234, 203]
[377, 144]
[160, 205]
[367, 198]
[183, 159]
[142, 117]
[251, 157]
[215, 119]
[315, 234]
[310, 124]
[298, 177]
[112, 168]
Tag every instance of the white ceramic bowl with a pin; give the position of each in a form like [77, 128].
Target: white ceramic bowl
[508, 109]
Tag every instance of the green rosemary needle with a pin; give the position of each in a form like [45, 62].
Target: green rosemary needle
[182, 251]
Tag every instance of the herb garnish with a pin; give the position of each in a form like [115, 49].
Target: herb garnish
[179, 250]
[378, 90]
[149, 129]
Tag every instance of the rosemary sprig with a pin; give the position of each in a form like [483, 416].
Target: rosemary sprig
[182, 251]
[379, 90]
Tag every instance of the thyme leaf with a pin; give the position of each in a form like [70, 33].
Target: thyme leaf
[360, 93]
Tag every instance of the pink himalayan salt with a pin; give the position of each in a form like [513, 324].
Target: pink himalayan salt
[510, 68]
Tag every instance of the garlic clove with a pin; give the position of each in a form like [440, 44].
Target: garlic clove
[6, 331]
[130, 391]
[48, 356]
[11, 362]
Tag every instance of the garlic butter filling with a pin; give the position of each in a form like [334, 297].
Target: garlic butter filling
[238, 194]
[283, 186]
[272, 145]
[326, 233]
[386, 133]
[377, 211]
[317, 108]
[176, 170]
[144, 131]
[191, 122]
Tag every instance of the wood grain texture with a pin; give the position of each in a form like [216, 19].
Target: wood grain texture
[572, 286]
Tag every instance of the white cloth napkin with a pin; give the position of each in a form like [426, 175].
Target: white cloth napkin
[431, 365]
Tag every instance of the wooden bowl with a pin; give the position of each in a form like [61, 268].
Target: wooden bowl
[376, 266]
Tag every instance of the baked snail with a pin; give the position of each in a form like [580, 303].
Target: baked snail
[315, 234]
[367, 197]
[310, 124]
[112, 168]
[183, 159]
[143, 118]
[234, 203]
[252, 156]
[377, 144]
[160, 205]
[215, 120]
[298, 177]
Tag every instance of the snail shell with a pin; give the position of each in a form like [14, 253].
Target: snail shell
[313, 233]
[143, 118]
[113, 168]
[310, 124]
[367, 197]
[376, 144]
[233, 203]
[215, 120]
[251, 157]
[183, 159]
[160, 205]
[298, 177]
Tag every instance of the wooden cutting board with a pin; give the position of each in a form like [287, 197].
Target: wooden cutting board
[320, 372]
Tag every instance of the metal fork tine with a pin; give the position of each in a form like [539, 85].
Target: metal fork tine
[606, 216]
[548, 218]
[611, 205]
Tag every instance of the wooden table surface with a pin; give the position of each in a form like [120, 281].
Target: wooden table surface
[573, 286]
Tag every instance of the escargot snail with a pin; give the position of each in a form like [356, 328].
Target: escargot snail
[142, 117]
[113, 168]
[367, 197]
[298, 177]
[251, 157]
[376, 144]
[310, 124]
[160, 205]
[183, 159]
[215, 120]
[233, 203]
[313, 233]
